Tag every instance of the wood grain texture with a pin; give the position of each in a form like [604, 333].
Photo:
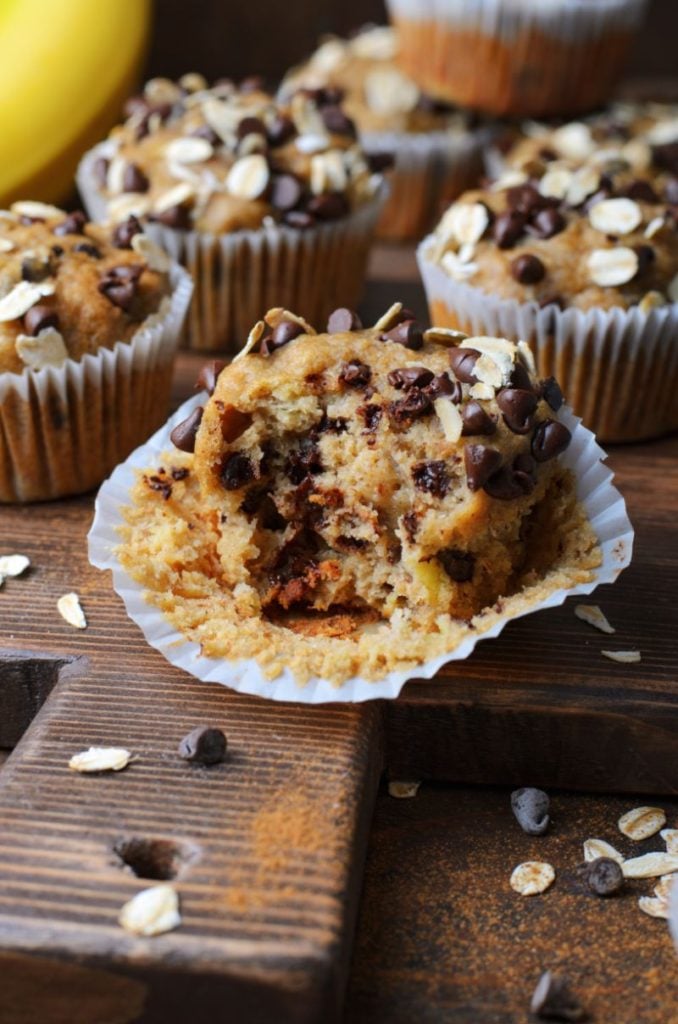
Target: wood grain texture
[443, 939]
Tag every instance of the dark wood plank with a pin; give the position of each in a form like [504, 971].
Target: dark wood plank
[443, 939]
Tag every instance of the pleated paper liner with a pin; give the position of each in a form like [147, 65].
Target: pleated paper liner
[431, 169]
[617, 368]
[237, 275]
[521, 59]
[63, 429]
[602, 502]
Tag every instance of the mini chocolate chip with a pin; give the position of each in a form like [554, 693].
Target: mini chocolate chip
[551, 393]
[379, 162]
[480, 463]
[642, 191]
[506, 484]
[160, 484]
[281, 130]
[337, 122]
[177, 217]
[58, 250]
[237, 470]
[37, 318]
[410, 377]
[412, 406]
[665, 156]
[100, 171]
[208, 376]
[179, 473]
[74, 224]
[476, 421]
[88, 249]
[604, 876]
[125, 232]
[518, 407]
[343, 319]
[329, 206]
[531, 809]
[355, 374]
[303, 461]
[442, 387]
[411, 524]
[525, 199]
[431, 477]
[299, 219]
[547, 223]
[35, 267]
[524, 463]
[459, 565]
[463, 361]
[205, 131]
[507, 228]
[547, 154]
[553, 1000]
[646, 257]
[251, 126]
[371, 414]
[134, 179]
[549, 440]
[407, 333]
[184, 434]
[119, 285]
[520, 377]
[282, 335]
[528, 269]
[204, 745]
[286, 191]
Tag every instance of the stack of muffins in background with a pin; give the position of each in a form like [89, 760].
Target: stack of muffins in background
[274, 200]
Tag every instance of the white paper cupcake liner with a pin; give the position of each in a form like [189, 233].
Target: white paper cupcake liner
[603, 504]
[238, 276]
[63, 429]
[431, 169]
[521, 58]
[617, 368]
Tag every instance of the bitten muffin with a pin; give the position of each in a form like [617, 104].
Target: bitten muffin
[357, 501]
[521, 58]
[260, 200]
[581, 263]
[436, 147]
[69, 292]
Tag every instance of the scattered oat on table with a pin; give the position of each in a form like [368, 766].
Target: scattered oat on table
[69, 609]
[151, 912]
[650, 865]
[623, 657]
[670, 837]
[658, 905]
[595, 848]
[641, 822]
[100, 759]
[402, 789]
[532, 877]
[13, 565]
[593, 616]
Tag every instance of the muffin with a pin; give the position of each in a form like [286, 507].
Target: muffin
[521, 58]
[434, 145]
[89, 323]
[263, 202]
[358, 501]
[582, 264]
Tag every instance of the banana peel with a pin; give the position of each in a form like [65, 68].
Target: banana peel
[68, 66]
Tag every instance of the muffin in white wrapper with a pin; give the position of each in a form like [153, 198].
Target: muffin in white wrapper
[618, 368]
[601, 501]
[63, 428]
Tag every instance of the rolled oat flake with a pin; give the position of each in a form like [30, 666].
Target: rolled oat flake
[531, 809]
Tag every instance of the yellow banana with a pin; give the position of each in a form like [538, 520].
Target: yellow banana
[66, 67]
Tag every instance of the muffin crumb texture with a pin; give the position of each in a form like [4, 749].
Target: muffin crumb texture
[357, 502]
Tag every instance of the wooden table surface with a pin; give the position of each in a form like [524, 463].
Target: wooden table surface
[441, 937]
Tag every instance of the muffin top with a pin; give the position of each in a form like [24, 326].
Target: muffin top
[377, 95]
[638, 138]
[68, 287]
[582, 238]
[226, 159]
